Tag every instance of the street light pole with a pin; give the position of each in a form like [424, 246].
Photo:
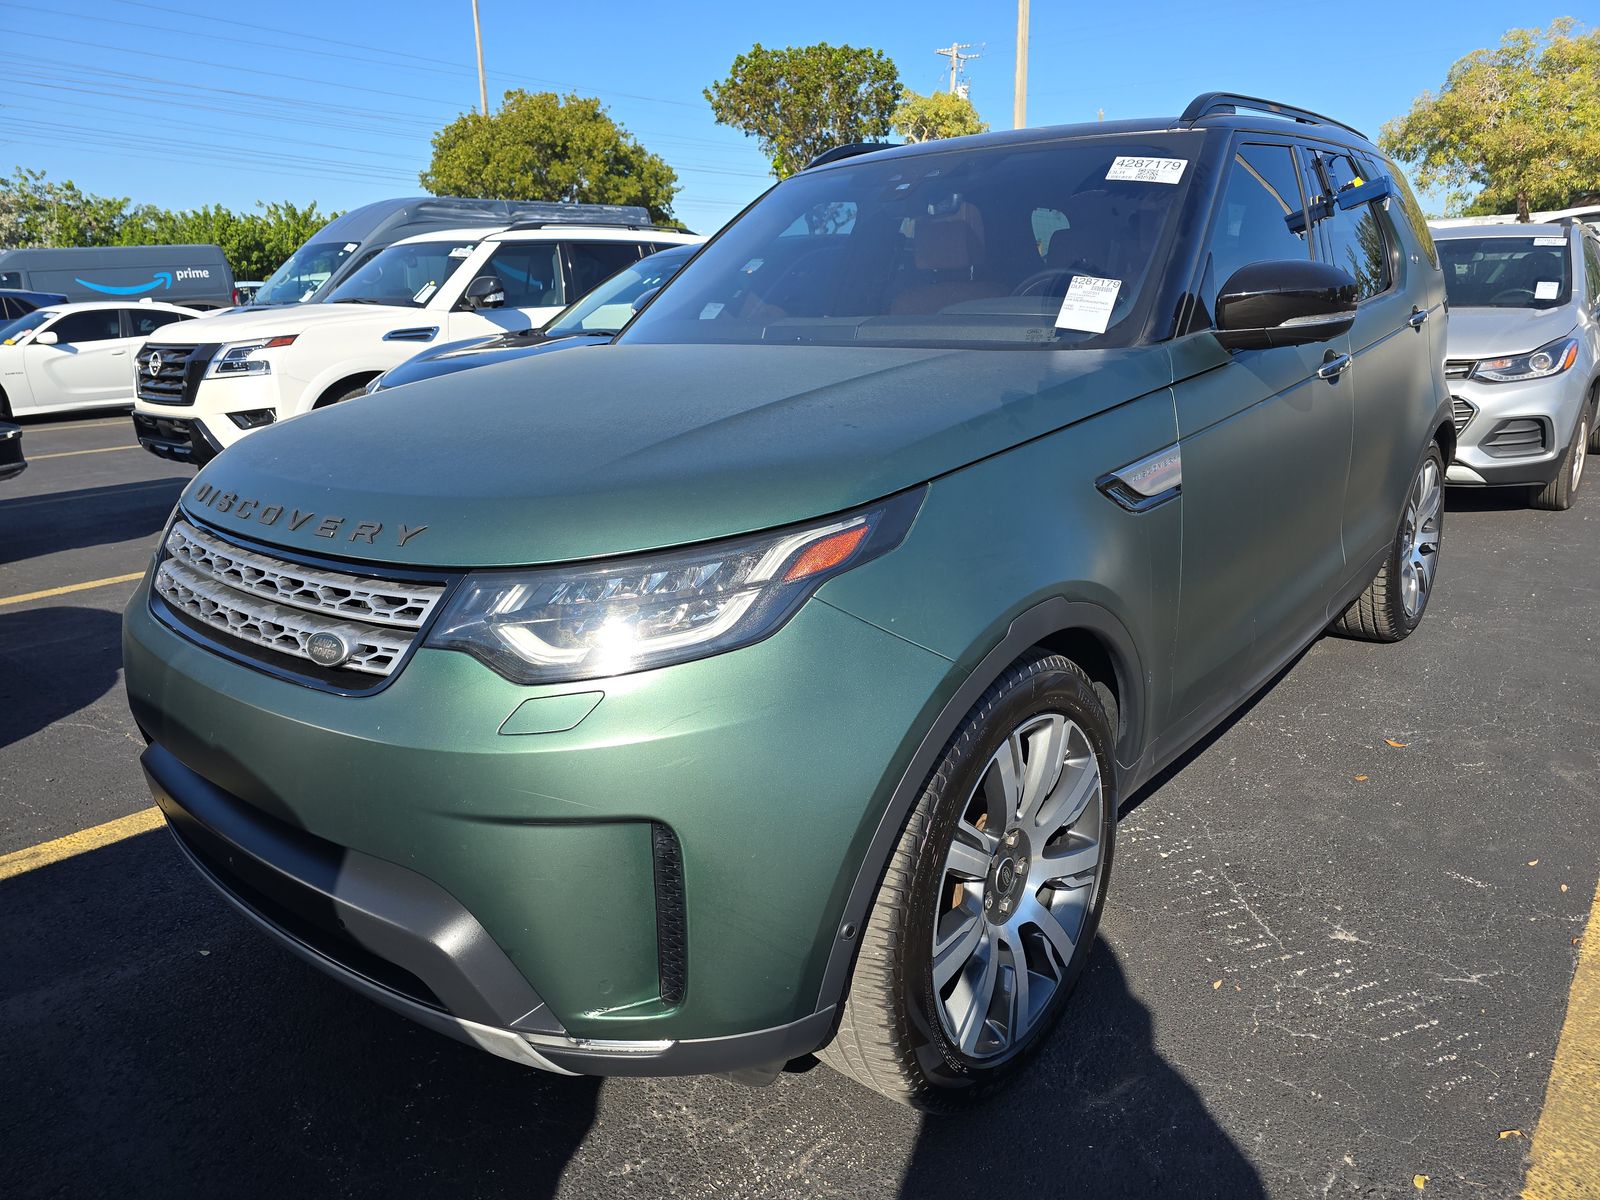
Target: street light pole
[477, 36]
[1019, 105]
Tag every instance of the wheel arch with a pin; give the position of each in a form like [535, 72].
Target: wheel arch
[356, 379]
[1089, 635]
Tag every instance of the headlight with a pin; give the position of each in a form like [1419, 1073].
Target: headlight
[243, 358]
[1546, 360]
[554, 625]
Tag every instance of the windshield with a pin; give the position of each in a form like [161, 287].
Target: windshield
[12, 330]
[610, 306]
[1040, 245]
[1506, 272]
[308, 268]
[406, 275]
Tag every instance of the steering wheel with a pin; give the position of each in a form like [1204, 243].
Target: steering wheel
[1510, 296]
[1038, 279]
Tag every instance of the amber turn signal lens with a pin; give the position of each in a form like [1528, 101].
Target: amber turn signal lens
[829, 552]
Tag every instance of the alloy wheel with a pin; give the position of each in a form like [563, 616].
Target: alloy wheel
[1419, 546]
[1018, 883]
[1581, 454]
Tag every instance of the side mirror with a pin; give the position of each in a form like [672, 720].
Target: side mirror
[1294, 302]
[47, 338]
[644, 298]
[486, 291]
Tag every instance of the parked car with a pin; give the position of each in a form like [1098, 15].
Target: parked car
[244, 291]
[777, 693]
[12, 463]
[349, 242]
[592, 321]
[16, 303]
[72, 356]
[196, 277]
[1523, 356]
[218, 380]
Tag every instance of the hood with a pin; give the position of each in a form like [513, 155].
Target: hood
[570, 456]
[1477, 333]
[464, 356]
[241, 324]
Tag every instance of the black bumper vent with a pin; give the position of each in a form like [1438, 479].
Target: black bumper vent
[1519, 437]
[1462, 412]
[672, 942]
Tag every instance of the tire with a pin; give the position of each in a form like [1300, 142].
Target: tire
[1394, 602]
[1594, 422]
[900, 1033]
[5, 407]
[338, 397]
[1559, 493]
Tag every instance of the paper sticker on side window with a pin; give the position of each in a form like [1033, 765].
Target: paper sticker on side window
[1088, 303]
[1148, 170]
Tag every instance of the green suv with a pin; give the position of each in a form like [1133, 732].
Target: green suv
[768, 684]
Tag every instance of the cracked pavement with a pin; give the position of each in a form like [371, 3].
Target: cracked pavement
[1329, 963]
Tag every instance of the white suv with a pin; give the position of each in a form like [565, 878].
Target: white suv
[208, 383]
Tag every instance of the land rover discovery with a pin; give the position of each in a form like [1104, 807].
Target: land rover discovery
[778, 697]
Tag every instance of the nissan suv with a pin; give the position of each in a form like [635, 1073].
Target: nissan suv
[206, 384]
[1523, 359]
[776, 692]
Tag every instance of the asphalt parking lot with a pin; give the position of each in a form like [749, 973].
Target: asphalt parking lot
[1336, 959]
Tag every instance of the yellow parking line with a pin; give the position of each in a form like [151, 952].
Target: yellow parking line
[71, 587]
[70, 453]
[1566, 1145]
[45, 853]
[68, 426]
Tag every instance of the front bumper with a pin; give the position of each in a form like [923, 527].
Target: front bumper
[180, 439]
[1554, 404]
[770, 767]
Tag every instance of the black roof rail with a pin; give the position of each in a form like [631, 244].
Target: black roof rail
[602, 223]
[1207, 103]
[849, 150]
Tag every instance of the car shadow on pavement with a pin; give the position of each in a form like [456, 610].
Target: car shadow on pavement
[168, 1050]
[1098, 1115]
[33, 526]
[54, 662]
[1486, 499]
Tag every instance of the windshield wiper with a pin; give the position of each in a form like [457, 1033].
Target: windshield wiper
[364, 300]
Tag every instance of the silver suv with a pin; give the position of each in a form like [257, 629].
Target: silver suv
[1523, 355]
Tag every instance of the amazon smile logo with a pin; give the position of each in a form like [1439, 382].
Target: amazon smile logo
[161, 279]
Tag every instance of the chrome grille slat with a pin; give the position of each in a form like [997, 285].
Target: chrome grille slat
[170, 383]
[274, 626]
[1462, 411]
[1457, 368]
[352, 597]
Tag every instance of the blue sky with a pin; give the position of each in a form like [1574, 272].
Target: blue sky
[335, 102]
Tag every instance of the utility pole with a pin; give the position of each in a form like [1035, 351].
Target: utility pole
[1019, 105]
[957, 59]
[477, 36]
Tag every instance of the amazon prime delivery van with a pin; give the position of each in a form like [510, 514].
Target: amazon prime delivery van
[193, 276]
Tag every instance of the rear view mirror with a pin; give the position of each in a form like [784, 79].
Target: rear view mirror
[486, 291]
[47, 338]
[1293, 302]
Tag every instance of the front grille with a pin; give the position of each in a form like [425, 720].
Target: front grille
[1458, 368]
[177, 375]
[272, 604]
[1462, 412]
[1519, 437]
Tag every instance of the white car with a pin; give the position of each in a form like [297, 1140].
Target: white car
[210, 382]
[70, 356]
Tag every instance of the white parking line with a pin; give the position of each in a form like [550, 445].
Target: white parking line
[33, 458]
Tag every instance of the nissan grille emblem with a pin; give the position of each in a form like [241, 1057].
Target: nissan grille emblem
[327, 649]
[153, 364]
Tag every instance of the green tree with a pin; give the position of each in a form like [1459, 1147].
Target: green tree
[36, 212]
[802, 100]
[540, 146]
[255, 243]
[940, 115]
[1515, 127]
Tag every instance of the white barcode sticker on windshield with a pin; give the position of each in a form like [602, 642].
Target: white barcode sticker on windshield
[1088, 303]
[349, 246]
[1148, 170]
[1546, 289]
[711, 311]
[1549, 241]
[460, 251]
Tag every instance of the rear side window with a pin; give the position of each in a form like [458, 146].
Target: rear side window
[142, 322]
[1415, 217]
[1261, 217]
[1351, 239]
[98, 325]
[594, 262]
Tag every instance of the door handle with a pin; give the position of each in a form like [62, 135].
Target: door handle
[1417, 317]
[119, 352]
[1333, 366]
